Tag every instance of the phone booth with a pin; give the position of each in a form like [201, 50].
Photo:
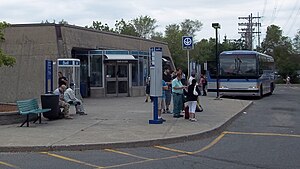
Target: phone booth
[70, 68]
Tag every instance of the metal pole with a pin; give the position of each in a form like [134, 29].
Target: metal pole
[188, 56]
[217, 63]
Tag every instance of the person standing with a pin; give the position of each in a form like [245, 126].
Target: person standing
[203, 83]
[288, 80]
[177, 91]
[62, 103]
[161, 100]
[167, 77]
[148, 89]
[62, 80]
[192, 98]
[191, 78]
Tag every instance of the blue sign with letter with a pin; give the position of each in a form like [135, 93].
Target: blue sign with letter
[48, 76]
[187, 42]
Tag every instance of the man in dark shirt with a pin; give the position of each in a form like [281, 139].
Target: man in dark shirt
[62, 80]
[168, 79]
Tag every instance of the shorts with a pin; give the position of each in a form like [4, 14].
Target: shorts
[192, 106]
[161, 103]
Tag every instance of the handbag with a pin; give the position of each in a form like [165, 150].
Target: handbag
[195, 91]
[199, 108]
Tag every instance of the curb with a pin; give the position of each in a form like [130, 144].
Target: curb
[132, 144]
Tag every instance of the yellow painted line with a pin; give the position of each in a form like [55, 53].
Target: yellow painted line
[126, 164]
[70, 159]
[127, 154]
[184, 153]
[6, 164]
[263, 134]
[173, 150]
[215, 141]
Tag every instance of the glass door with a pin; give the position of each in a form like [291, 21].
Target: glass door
[116, 79]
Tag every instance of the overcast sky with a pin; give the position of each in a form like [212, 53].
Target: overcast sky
[284, 13]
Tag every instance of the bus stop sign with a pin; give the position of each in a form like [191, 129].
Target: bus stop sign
[187, 42]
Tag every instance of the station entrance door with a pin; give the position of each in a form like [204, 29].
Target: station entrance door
[117, 79]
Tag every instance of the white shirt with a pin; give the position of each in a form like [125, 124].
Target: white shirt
[190, 80]
[69, 95]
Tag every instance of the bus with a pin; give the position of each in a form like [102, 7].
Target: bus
[241, 72]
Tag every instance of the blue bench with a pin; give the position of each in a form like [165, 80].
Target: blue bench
[30, 106]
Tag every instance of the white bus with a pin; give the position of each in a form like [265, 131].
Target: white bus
[243, 73]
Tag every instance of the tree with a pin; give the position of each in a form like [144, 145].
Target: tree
[99, 26]
[125, 28]
[296, 42]
[63, 22]
[144, 26]
[281, 48]
[173, 36]
[190, 27]
[5, 60]
[157, 36]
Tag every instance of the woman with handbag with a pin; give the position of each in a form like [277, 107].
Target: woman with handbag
[192, 97]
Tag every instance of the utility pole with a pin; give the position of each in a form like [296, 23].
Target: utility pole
[248, 30]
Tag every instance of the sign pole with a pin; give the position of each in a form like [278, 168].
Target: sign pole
[188, 56]
[187, 44]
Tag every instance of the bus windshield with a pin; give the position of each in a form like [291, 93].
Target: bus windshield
[238, 66]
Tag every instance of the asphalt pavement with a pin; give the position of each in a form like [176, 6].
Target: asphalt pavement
[119, 122]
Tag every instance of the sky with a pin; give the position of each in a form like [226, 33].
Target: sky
[283, 13]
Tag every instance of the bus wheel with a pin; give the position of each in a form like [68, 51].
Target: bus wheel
[261, 93]
[271, 88]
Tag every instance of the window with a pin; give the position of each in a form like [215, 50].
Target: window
[233, 65]
[141, 71]
[135, 74]
[96, 71]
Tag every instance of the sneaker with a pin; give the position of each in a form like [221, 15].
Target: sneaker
[161, 119]
[68, 117]
[82, 113]
[193, 120]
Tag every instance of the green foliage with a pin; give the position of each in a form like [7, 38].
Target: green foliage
[281, 48]
[296, 42]
[126, 28]
[99, 26]
[144, 26]
[204, 50]
[190, 27]
[157, 36]
[173, 36]
[5, 60]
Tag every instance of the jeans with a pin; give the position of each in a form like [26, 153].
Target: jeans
[177, 104]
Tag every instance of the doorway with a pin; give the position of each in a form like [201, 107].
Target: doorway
[116, 79]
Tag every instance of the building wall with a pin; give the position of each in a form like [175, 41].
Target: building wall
[32, 44]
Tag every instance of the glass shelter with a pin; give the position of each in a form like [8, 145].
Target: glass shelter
[70, 68]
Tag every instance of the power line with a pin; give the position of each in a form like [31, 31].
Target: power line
[294, 21]
[248, 29]
[264, 8]
[291, 15]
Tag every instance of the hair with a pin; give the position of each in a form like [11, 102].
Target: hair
[64, 87]
[194, 81]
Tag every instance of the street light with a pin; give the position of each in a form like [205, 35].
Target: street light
[217, 26]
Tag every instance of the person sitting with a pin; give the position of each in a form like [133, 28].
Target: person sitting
[69, 97]
[62, 103]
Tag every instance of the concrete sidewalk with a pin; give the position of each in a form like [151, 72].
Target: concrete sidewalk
[118, 122]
